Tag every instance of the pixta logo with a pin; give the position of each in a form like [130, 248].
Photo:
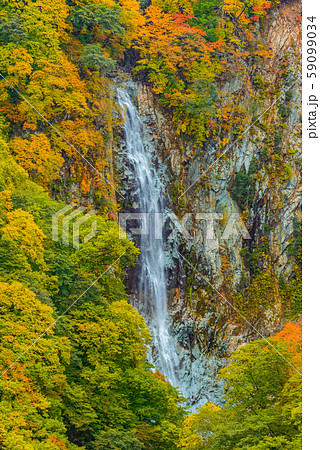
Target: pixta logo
[58, 219]
[151, 224]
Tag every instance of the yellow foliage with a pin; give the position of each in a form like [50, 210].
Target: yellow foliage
[23, 230]
[84, 137]
[233, 6]
[190, 439]
[17, 63]
[5, 201]
[44, 21]
[37, 157]
[176, 6]
[132, 17]
[54, 89]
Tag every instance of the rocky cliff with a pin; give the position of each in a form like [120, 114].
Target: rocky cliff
[232, 208]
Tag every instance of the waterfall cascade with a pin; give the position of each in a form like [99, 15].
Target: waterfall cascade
[151, 285]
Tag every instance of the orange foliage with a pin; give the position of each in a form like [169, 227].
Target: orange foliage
[292, 335]
[181, 66]
[84, 145]
[37, 157]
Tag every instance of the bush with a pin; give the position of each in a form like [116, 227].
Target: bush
[93, 58]
[118, 440]
[243, 186]
[11, 30]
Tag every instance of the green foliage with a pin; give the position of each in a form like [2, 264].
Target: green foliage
[86, 381]
[263, 399]
[206, 13]
[257, 256]
[11, 174]
[95, 385]
[92, 57]
[285, 108]
[30, 405]
[266, 288]
[110, 387]
[178, 62]
[145, 3]
[291, 290]
[107, 384]
[12, 30]
[291, 293]
[43, 22]
[259, 296]
[91, 21]
[295, 246]
[243, 189]
[117, 440]
[284, 111]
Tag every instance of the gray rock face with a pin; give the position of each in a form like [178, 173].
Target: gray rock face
[201, 320]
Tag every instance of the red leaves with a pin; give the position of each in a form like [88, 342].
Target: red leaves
[182, 18]
[260, 9]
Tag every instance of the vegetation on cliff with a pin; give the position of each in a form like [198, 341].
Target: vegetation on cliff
[81, 379]
[263, 399]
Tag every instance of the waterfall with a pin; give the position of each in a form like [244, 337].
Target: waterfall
[151, 284]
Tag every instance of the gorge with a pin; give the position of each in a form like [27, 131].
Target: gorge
[164, 139]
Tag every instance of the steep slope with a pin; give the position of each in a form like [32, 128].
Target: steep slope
[244, 281]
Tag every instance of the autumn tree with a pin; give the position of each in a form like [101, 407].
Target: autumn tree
[12, 30]
[30, 406]
[37, 157]
[262, 408]
[206, 14]
[110, 386]
[179, 63]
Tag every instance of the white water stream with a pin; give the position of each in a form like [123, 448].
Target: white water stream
[152, 281]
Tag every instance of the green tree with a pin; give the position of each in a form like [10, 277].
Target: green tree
[97, 22]
[117, 440]
[93, 57]
[207, 17]
[12, 30]
[262, 402]
[110, 386]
